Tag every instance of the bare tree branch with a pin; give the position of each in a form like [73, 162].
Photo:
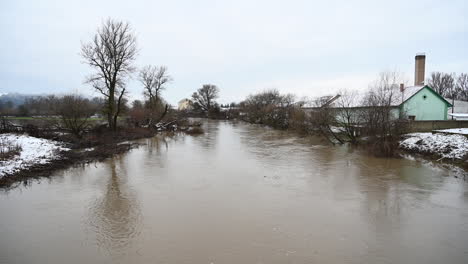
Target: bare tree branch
[111, 53]
[205, 96]
[442, 83]
[154, 80]
[462, 86]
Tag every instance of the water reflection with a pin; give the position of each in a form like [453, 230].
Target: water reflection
[240, 194]
[156, 145]
[208, 140]
[115, 216]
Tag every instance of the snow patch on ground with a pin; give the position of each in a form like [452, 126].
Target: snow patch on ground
[33, 151]
[87, 149]
[461, 131]
[443, 145]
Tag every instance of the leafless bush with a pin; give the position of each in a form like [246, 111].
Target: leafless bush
[298, 120]
[138, 115]
[348, 117]
[154, 80]
[74, 112]
[8, 149]
[322, 119]
[268, 108]
[381, 119]
[6, 126]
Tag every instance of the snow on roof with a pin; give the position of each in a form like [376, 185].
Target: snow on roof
[408, 92]
[358, 99]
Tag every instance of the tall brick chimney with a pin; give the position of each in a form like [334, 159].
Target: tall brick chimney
[420, 68]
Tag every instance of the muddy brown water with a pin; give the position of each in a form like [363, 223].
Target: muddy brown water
[239, 194]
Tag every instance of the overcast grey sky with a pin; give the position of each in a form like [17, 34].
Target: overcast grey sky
[304, 47]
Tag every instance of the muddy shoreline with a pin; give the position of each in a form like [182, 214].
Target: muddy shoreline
[92, 148]
[436, 159]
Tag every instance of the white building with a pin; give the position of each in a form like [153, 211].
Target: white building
[460, 110]
[185, 104]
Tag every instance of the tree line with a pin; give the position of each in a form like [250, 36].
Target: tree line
[111, 54]
[450, 85]
[336, 118]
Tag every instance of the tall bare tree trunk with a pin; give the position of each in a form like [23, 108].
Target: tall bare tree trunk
[110, 114]
[111, 53]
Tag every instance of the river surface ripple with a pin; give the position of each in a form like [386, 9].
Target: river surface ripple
[239, 194]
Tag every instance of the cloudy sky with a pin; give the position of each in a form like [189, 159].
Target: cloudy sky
[306, 47]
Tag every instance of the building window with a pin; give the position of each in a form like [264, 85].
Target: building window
[424, 97]
[412, 117]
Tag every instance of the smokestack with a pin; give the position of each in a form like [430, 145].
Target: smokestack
[402, 87]
[420, 68]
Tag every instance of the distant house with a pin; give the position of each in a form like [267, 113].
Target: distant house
[459, 111]
[418, 102]
[185, 104]
[414, 103]
[423, 103]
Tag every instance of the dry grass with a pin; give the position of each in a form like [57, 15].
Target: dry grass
[8, 149]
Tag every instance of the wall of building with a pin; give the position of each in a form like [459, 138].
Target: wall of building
[425, 105]
[185, 105]
[428, 126]
[460, 107]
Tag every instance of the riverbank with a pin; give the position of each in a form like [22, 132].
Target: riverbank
[448, 148]
[19, 152]
[45, 153]
[40, 157]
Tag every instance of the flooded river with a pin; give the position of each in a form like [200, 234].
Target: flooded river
[239, 194]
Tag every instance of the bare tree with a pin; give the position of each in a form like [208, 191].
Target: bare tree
[445, 85]
[111, 53]
[205, 97]
[154, 80]
[380, 118]
[322, 118]
[462, 86]
[269, 108]
[348, 117]
[442, 83]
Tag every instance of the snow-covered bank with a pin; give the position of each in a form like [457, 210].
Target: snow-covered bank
[442, 145]
[33, 151]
